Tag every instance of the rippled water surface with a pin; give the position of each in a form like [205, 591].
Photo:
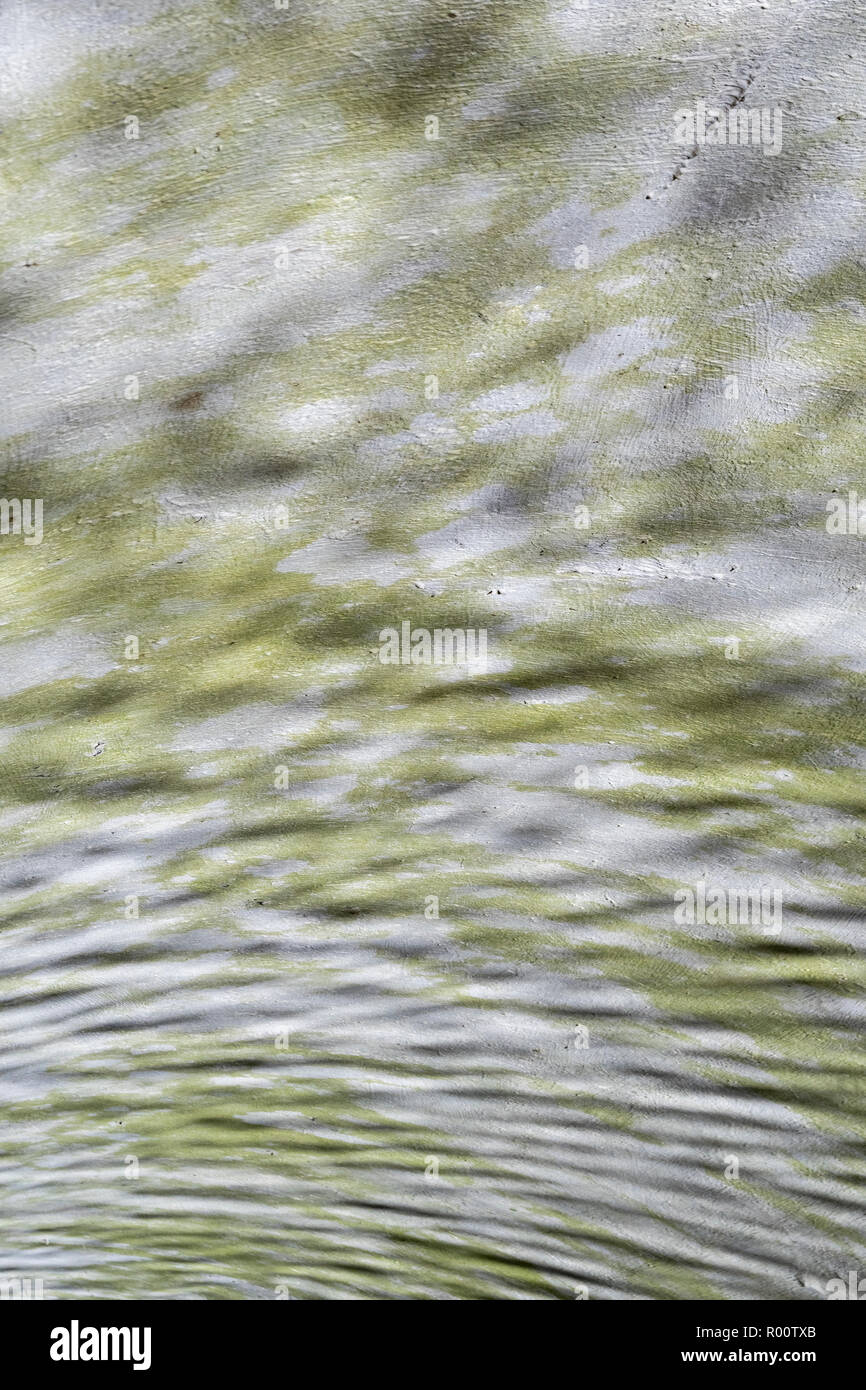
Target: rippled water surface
[325, 978]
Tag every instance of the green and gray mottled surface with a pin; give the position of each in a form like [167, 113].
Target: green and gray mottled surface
[246, 1091]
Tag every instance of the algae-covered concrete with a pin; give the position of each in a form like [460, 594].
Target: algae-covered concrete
[331, 976]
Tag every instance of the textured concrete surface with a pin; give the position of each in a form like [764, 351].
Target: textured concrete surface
[325, 977]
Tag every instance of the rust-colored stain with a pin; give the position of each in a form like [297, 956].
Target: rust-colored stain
[192, 401]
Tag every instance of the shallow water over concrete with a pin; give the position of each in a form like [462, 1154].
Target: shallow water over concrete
[325, 976]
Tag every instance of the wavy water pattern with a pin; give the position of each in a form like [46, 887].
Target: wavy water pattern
[325, 978]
